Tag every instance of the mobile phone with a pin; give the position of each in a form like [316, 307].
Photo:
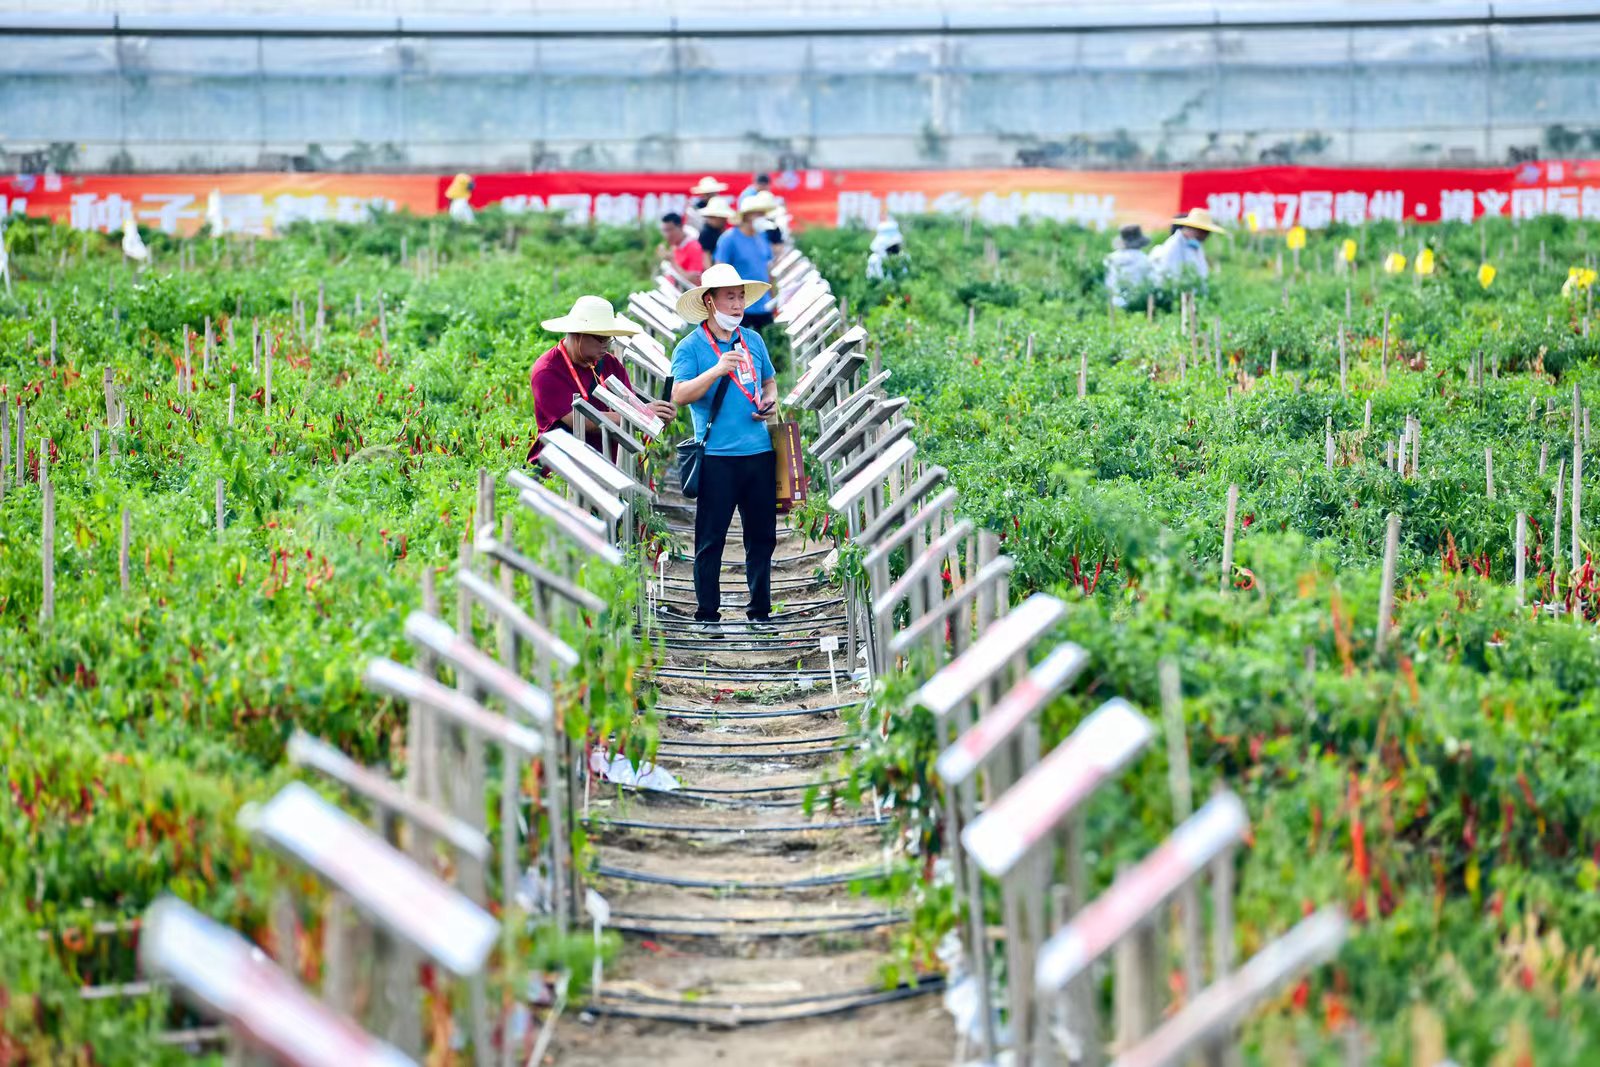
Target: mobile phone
[666, 392]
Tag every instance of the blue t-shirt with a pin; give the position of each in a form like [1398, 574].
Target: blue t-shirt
[734, 433]
[750, 255]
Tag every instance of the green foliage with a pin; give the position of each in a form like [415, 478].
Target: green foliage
[1436, 790]
[137, 723]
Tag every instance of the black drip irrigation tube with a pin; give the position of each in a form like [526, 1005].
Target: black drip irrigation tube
[696, 716]
[682, 828]
[668, 622]
[841, 916]
[796, 753]
[642, 930]
[791, 611]
[671, 709]
[929, 984]
[736, 743]
[725, 885]
[751, 1016]
[743, 790]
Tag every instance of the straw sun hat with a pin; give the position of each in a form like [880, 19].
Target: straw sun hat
[691, 305]
[591, 315]
[763, 202]
[708, 185]
[460, 187]
[1198, 218]
[719, 207]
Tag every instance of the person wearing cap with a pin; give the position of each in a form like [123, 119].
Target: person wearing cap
[579, 362]
[684, 249]
[1183, 254]
[459, 193]
[715, 218]
[740, 472]
[699, 197]
[887, 255]
[762, 183]
[749, 252]
[1128, 269]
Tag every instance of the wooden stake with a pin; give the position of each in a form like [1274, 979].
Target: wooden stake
[1274, 370]
[47, 609]
[220, 503]
[1488, 471]
[233, 396]
[1555, 533]
[1544, 457]
[1344, 367]
[1385, 365]
[1521, 555]
[5, 444]
[22, 444]
[1327, 442]
[1577, 504]
[1366, 419]
[1227, 537]
[1391, 549]
[266, 378]
[94, 444]
[972, 322]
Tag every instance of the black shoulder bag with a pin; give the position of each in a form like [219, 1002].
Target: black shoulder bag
[692, 452]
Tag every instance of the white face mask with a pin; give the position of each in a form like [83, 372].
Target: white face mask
[727, 322]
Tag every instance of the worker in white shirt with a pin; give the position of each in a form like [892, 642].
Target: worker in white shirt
[1128, 268]
[1182, 255]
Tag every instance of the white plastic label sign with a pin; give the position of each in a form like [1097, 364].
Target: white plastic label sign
[621, 400]
[875, 474]
[231, 977]
[1141, 890]
[1023, 701]
[412, 902]
[1012, 634]
[1101, 745]
[558, 511]
[1224, 1004]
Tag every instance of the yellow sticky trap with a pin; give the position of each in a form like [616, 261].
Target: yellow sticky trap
[1252, 222]
[1296, 238]
[1348, 250]
[1424, 263]
[1486, 275]
[1394, 263]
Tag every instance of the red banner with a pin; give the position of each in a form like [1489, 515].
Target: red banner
[1261, 197]
[1277, 198]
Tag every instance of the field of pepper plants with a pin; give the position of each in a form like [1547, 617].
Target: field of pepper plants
[1443, 788]
[137, 721]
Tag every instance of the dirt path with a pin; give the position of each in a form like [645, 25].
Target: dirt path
[744, 942]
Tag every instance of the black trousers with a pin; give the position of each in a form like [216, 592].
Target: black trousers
[749, 484]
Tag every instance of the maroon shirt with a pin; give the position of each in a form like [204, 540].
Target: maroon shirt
[554, 386]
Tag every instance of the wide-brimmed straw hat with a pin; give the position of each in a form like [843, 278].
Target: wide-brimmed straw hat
[719, 207]
[763, 202]
[707, 186]
[692, 305]
[594, 316]
[1198, 218]
[460, 187]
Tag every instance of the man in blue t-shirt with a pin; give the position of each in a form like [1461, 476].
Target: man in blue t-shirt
[750, 253]
[740, 471]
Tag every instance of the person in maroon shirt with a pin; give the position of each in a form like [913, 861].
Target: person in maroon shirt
[578, 363]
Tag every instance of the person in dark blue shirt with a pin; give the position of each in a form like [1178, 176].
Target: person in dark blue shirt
[750, 253]
[740, 470]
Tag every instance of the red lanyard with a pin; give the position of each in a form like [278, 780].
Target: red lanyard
[738, 340]
[561, 346]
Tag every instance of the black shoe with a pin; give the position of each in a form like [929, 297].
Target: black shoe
[704, 629]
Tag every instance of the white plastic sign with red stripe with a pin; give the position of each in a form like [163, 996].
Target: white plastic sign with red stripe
[620, 398]
[408, 900]
[1024, 700]
[1008, 636]
[437, 637]
[230, 977]
[875, 475]
[1212, 1014]
[579, 479]
[558, 511]
[1101, 746]
[390, 678]
[600, 468]
[1140, 890]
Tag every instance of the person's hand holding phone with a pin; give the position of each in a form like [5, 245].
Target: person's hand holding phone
[761, 413]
